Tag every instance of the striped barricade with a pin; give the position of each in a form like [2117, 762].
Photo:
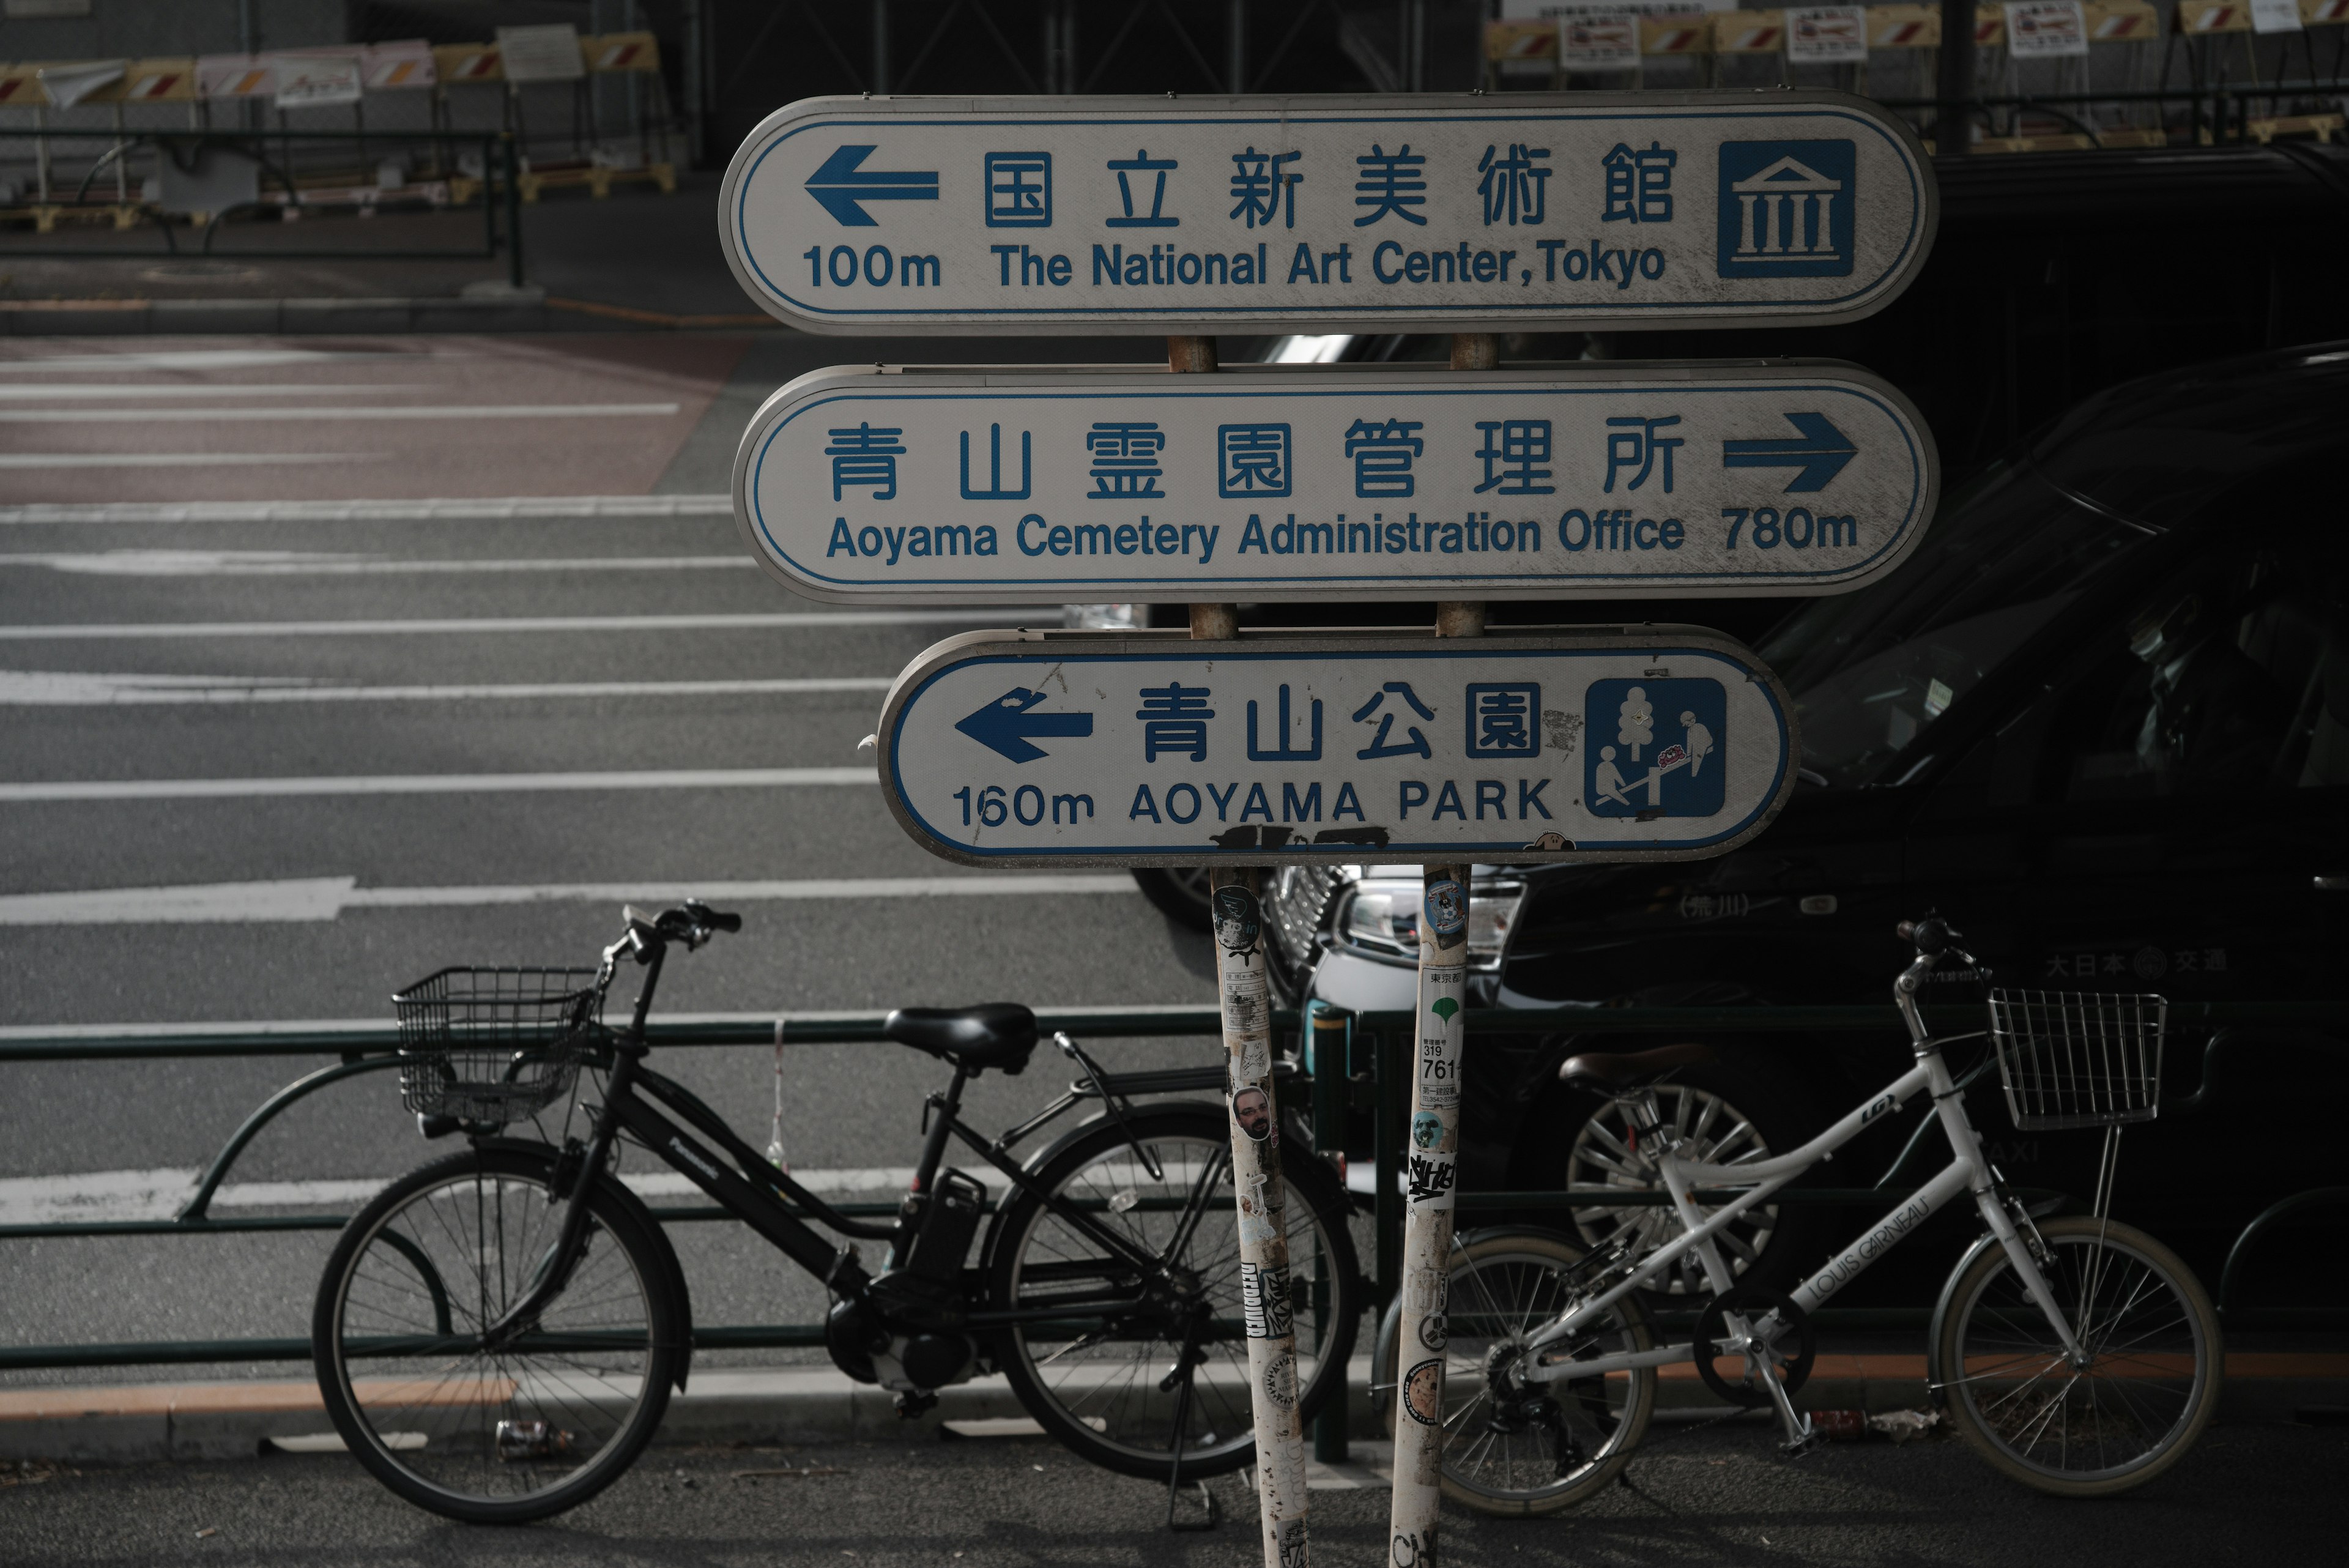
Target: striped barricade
[1749, 34]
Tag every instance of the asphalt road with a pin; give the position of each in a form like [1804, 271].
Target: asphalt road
[2248, 1494]
[150, 671]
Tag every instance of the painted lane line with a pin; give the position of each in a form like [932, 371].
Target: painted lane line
[369, 1028]
[62, 689]
[308, 564]
[173, 460]
[77, 392]
[277, 416]
[313, 900]
[211, 359]
[788, 620]
[101, 1197]
[432, 784]
[482, 509]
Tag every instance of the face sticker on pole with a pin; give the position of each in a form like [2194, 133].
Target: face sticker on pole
[1264, 1295]
[1431, 1165]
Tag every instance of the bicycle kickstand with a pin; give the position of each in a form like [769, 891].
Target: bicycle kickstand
[1178, 1382]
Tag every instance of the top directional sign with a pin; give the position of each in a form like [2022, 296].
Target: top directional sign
[1431, 213]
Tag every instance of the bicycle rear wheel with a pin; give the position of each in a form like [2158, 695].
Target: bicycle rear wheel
[1090, 1377]
[1513, 1449]
[2148, 1388]
[491, 1438]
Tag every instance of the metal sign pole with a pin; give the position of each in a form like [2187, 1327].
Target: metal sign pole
[1432, 1153]
[1246, 995]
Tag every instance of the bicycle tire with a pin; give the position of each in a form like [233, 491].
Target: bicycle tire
[1124, 1423]
[1512, 1281]
[453, 1437]
[1997, 1353]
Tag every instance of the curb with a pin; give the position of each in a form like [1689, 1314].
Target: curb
[135, 1423]
[529, 311]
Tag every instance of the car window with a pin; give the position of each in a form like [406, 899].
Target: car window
[2233, 680]
[1872, 670]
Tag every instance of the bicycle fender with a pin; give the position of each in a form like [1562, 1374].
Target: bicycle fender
[1940, 1312]
[627, 1198]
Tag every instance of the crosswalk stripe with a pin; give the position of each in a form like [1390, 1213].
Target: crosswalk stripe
[311, 899]
[53, 688]
[799, 620]
[84, 790]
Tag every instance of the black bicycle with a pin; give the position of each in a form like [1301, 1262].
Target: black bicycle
[497, 1334]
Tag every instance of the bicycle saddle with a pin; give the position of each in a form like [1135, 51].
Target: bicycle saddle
[1616, 1073]
[999, 1035]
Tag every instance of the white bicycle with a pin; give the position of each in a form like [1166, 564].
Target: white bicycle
[2078, 1354]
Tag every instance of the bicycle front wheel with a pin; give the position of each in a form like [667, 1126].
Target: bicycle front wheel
[1089, 1374]
[1512, 1448]
[2151, 1377]
[491, 1437]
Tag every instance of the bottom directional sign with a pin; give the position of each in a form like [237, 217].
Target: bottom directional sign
[1149, 748]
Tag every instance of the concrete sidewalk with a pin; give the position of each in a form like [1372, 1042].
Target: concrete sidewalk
[1691, 1499]
[636, 261]
[192, 1421]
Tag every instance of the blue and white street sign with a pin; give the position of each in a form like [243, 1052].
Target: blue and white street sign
[1053, 748]
[1427, 213]
[1056, 485]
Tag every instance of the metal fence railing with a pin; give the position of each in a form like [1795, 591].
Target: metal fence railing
[1370, 1054]
[295, 173]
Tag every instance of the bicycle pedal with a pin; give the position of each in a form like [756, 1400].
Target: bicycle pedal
[1796, 1447]
[914, 1404]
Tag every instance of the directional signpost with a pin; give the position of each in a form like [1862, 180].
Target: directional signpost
[1471, 215]
[1055, 485]
[1427, 213]
[1660, 742]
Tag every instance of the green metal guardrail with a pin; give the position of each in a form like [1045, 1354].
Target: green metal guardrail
[1378, 1042]
[499, 182]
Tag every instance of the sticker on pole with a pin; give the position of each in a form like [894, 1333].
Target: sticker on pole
[1148, 749]
[1427, 213]
[1059, 485]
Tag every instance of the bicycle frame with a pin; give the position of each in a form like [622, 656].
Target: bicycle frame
[1968, 1171]
[724, 1174]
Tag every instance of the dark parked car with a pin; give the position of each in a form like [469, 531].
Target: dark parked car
[2099, 721]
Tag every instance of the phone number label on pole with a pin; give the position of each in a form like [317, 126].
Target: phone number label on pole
[1058, 484]
[1125, 749]
[1438, 214]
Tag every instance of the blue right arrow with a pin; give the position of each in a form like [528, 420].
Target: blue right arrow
[1820, 454]
[840, 185]
[1004, 724]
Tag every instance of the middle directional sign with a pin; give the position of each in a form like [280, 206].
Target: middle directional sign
[1419, 213]
[1654, 742]
[1053, 484]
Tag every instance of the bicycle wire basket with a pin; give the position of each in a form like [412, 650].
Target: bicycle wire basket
[493, 1045]
[2078, 1059]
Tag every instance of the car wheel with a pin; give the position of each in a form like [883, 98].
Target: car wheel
[1180, 894]
[1737, 1111]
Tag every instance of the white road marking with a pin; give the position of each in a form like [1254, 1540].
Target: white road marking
[317, 564]
[114, 1196]
[370, 1028]
[68, 392]
[65, 688]
[497, 508]
[310, 900]
[171, 460]
[206, 359]
[600, 625]
[278, 416]
[430, 783]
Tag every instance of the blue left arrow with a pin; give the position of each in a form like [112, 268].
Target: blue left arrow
[1005, 724]
[842, 186]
